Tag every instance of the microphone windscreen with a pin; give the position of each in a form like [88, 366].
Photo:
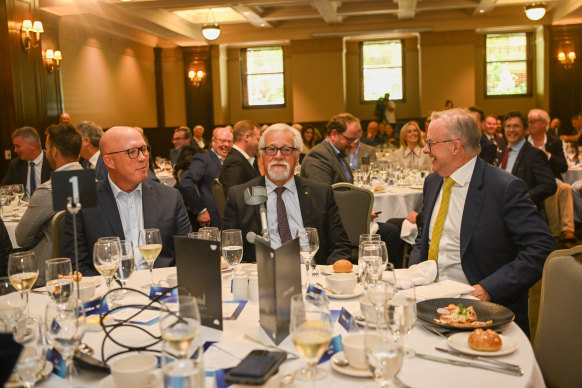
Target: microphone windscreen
[251, 237]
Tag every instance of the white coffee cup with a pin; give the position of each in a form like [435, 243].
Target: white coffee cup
[342, 283]
[172, 280]
[353, 346]
[135, 370]
[368, 310]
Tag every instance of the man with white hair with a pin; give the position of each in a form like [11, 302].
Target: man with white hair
[293, 202]
[91, 134]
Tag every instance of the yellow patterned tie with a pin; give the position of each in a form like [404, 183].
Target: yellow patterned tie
[437, 229]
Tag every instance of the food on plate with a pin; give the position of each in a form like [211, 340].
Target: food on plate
[485, 340]
[76, 276]
[460, 316]
[378, 189]
[342, 266]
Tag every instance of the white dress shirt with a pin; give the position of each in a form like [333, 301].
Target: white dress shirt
[93, 159]
[37, 173]
[129, 206]
[512, 157]
[449, 255]
[292, 208]
[251, 159]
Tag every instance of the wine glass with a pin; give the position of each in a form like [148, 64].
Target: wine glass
[196, 235]
[11, 304]
[32, 358]
[59, 282]
[365, 238]
[23, 272]
[64, 330]
[210, 233]
[308, 245]
[126, 262]
[379, 293]
[18, 191]
[232, 247]
[150, 246]
[106, 257]
[311, 332]
[383, 353]
[401, 313]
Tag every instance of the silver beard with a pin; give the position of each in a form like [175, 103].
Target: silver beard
[276, 174]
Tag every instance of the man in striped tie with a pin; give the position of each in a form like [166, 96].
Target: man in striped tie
[478, 223]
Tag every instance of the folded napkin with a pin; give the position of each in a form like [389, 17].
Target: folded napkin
[420, 274]
[442, 289]
[408, 231]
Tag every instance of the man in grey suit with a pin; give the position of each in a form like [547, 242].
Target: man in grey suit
[91, 136]
[63, 144]
[326, 162]
[361, 153]
[128, 202]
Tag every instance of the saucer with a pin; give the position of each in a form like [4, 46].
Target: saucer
[460, 343]
[358, 290]
[46, 372]
[348, 370]
[108, 382]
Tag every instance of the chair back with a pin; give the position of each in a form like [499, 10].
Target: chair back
[355, 207]
[218, 194]
[558, 343]
[58, 233]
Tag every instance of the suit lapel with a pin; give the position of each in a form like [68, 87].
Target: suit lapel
[339, 166]
[109, 207]
[261, 182]
[519, 158]
[149, 204]
[304, 195]
[473, 205]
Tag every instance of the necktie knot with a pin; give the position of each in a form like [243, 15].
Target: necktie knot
[279, 190]
[32, 164]
[449, 182]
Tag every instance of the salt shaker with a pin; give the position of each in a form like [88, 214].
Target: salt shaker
[240, 286]
[254, 286]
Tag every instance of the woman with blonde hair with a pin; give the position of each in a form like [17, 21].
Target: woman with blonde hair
[410, 154]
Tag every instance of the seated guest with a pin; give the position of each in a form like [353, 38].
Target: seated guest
[361, 153]
[308, 135]
[91, 135]
[293, 202]
[63, 144]
[372, 137]
[387, 132]
[182, 140]
[199, 144]
[128, 202]
[241, 165]
[525, 161]
[489, 129]
[30, 168]
[555, 125]
[559, 207]
[488, 149]
[5, 248]
[577, 125]
[64, 118]
[195, 184]
[478, 223]
[410, 154]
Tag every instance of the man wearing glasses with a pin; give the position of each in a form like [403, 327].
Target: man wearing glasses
[478, 223]
[181, 139]
[128, 202]
[293, 202]
[327, 162]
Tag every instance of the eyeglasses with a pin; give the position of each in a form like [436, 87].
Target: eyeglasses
[350, 139]
[134, 152]
[178, 138]
[272, 151]
[530, 122]
[224, 141]
[431, 143]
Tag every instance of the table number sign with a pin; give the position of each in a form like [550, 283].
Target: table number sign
[76, 184]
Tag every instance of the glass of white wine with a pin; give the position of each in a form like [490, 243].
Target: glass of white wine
[150, 246]
[308, 247]
[23, 272]
[232, 247]
[18, 192]
[384, 353]
[311, 332]
[106, 257]
[59, 282]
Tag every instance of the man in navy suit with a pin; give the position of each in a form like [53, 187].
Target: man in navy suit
[492, 237]
[195, 184]
[128, 202]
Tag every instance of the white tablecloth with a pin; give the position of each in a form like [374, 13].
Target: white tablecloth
[11, 228]
[572, 175]
[397, 202]
[415, 372]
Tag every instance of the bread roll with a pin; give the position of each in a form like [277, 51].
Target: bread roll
[485, 340]
[342, 266]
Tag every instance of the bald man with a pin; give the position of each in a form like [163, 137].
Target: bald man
[128, 202]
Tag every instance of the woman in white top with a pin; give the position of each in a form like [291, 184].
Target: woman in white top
[410, 155]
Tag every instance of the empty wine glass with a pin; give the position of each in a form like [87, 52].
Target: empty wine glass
[126, 263]
[106, 256]
[311, 332]
[210, 233]
[59, 282]
[379, 293]
[383, 353]
[23, 272]
[308, 246]
[150, 246]
[31, 361]
[232, 247]
[11, 305]
[401, 312]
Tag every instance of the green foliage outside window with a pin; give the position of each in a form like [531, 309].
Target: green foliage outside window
[263, 76]
[507, 64]
[382, 69]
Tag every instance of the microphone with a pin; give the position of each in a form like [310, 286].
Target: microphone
[257, 195]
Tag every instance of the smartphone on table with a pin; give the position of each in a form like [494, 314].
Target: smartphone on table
[256, 368]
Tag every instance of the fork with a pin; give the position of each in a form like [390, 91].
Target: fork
[444, 334]
[290, 356]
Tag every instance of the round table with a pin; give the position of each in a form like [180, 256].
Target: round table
[166, 178]
[415, 372]
[397, 201]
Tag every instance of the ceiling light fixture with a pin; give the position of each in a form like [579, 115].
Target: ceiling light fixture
[211, 31]
[535, 11]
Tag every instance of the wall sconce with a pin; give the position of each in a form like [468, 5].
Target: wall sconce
[567, 59]
[53, 60]
[196, 77]
[30, 34]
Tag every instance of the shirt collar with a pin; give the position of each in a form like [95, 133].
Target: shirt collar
[518, 146]
[247, 157]
[335, 150]
[117, 191]
[289, 185]
[65, 166]
[216, 153]
[531, 141]
[38, 159]
[417, 150]
[463, 175]
[93, 159]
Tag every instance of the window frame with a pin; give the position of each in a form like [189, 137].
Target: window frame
[244, 84]
[402, 71]
[529, 66]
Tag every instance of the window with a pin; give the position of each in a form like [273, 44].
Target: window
[263, 77]
[382, 70]
[507, 64]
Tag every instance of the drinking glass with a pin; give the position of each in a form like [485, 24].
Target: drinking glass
[210, 233]
[379, 293]
[126, 263]
[308, 245]
[106, 257]
[383, 353]
[23, 272]
[59, 282]
[18, 191]
[64, 330]
[32, 360]
[196, 235]
[11, 304]
[373, 256]
[232, 247]
[365, 238]
[150, 246]
[401, 313]
[179, 324]
[311, 332]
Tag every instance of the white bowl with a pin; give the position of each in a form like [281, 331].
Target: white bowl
[342, 283]
[353, 347]
[367, 309]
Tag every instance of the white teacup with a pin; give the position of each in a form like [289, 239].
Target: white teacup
[353, 346]
[342, 283]
[135, 370]
[368, 310]
[172, 280]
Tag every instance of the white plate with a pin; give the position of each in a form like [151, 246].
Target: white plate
[48, 369]
[108, 382]
[358, 290]
[417, 187]
[348, 370]
[460, 342]
[328, 269]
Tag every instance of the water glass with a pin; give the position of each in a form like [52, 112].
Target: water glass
[11, 305]
[32, 360]
[59, 280]
[232, 247]
[210, 233]
[308, 247]
[384, 353]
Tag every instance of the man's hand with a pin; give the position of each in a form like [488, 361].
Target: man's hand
[204, 219]
[411, 217]
[373, 216]
[480, 293]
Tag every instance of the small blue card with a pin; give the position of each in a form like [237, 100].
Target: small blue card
[346, 320]
[237, 311]
[59, 364]
[156, 291]
[334, 347]
[92, 307]
[220, 374]
[313, 292]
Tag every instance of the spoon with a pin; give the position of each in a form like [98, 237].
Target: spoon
[341, 362]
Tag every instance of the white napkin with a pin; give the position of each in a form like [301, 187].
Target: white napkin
[408, 231]
[442, 289]
[420, 274]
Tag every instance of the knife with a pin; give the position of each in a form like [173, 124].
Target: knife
[469, 364]
[479, 358]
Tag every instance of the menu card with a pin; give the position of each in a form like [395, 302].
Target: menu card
[279, 279]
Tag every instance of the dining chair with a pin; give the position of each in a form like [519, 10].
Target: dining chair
[558, 343]
[218, 194]
[355, 207]
[58, 233]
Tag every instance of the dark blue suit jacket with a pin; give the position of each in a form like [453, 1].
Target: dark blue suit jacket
[195, 185]
[18, 171]
[504, 239]
[162, 208]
